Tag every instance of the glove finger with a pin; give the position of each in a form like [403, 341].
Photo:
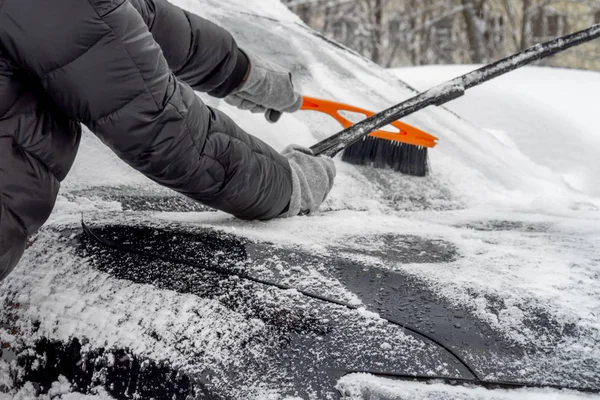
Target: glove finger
[272, 115]
[284, 96]
[240, 102]
[315, 179]
[329, 166]
[247, 105]
[258, 109]
[254, 97]
[295, 106]
[295, 147]
[233, 100]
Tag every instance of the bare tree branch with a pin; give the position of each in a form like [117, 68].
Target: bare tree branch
[402, 32]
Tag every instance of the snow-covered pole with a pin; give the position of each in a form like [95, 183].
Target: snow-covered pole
[451, 90]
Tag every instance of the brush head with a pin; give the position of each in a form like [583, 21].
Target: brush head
[381, 153]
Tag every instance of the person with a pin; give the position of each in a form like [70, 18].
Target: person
[128, 69]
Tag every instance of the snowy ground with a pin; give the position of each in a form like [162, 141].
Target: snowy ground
[511, 209]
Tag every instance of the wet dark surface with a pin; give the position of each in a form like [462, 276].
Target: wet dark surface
[499, 225]
[407, 299]
[304, 333]
[537, 320]
[313, 343]
[123, 374]
[132, 200]
[394, 295]
[402, 249]
[202, 249]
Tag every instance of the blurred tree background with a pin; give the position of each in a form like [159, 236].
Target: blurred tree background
[396, 33]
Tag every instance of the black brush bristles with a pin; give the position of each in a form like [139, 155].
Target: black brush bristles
[381, 153]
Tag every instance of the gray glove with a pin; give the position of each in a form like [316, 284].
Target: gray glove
[312, 180]
[267, 87]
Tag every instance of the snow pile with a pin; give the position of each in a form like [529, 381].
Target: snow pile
[361, 386]
[60, 389]
[549, 114]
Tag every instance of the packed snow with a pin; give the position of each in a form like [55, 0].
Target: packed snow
[364, 386]
[61, 389]
[547, 113]
[512, 188]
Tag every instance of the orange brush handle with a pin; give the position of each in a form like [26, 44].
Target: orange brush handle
[406, 133]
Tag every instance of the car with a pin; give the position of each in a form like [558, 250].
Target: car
[476, 281]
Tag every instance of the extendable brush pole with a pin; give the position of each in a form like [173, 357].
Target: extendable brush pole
[451, 90]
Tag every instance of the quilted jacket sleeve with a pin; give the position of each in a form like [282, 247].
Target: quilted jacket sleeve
[99, 62]
[199, 52]
[38, 145]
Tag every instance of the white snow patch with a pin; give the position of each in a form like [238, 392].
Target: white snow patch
[363, 386]
[60, 389]
[548, 113]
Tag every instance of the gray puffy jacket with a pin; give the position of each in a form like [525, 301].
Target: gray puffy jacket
[119, 67]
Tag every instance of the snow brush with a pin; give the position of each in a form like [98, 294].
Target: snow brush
[361, 148]
[399, 145]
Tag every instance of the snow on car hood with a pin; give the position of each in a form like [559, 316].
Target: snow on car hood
[526, 264]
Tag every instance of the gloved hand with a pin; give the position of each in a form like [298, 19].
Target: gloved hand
[267, 87]
[312, 179]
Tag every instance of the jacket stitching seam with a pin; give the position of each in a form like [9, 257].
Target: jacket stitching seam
[188, 55]
[5, 205]
[2, 195]
[102, 119]
[257, 152]
[52, 71]
[152, 14]
[189, 133]
[125, 47]
[111, 11]
[188, 130]
[35, 157]
[202, 154]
